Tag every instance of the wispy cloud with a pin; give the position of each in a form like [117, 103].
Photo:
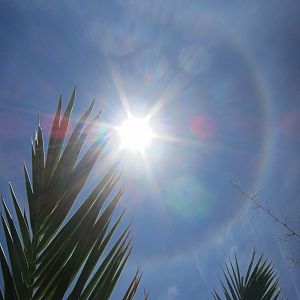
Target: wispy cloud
[171, 294]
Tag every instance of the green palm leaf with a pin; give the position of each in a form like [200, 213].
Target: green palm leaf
[50, 257]
[260, 282]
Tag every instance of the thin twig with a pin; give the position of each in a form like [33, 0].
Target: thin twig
[266, 209]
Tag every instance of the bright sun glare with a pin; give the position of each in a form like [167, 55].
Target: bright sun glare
[135, 134]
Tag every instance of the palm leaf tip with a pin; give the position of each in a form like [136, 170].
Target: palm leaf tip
[260, 282]
[57, 253]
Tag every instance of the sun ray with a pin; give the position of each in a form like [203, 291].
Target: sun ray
[196, 142]
[120, 90]
[171, 92]
[154, 188]
[179, 140]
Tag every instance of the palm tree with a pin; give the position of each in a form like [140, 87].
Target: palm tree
[260, 282]
[51, 255]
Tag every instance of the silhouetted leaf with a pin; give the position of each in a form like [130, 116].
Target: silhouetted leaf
[49, 253]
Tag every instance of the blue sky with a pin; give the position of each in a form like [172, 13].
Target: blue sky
[224, 77]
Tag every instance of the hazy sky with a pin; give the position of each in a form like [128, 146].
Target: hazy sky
[222, 79]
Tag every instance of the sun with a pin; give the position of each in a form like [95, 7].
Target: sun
[135, 134]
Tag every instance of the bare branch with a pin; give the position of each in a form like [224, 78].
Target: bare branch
[284, 222]
[294, 260]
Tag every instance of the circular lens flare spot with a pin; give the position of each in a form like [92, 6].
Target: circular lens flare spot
[203, 126]
[135, 134]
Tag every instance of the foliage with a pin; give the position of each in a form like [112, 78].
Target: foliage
[260, 282]
[52, 255]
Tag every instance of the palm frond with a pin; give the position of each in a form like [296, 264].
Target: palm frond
[49, 255]
[260, 282]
